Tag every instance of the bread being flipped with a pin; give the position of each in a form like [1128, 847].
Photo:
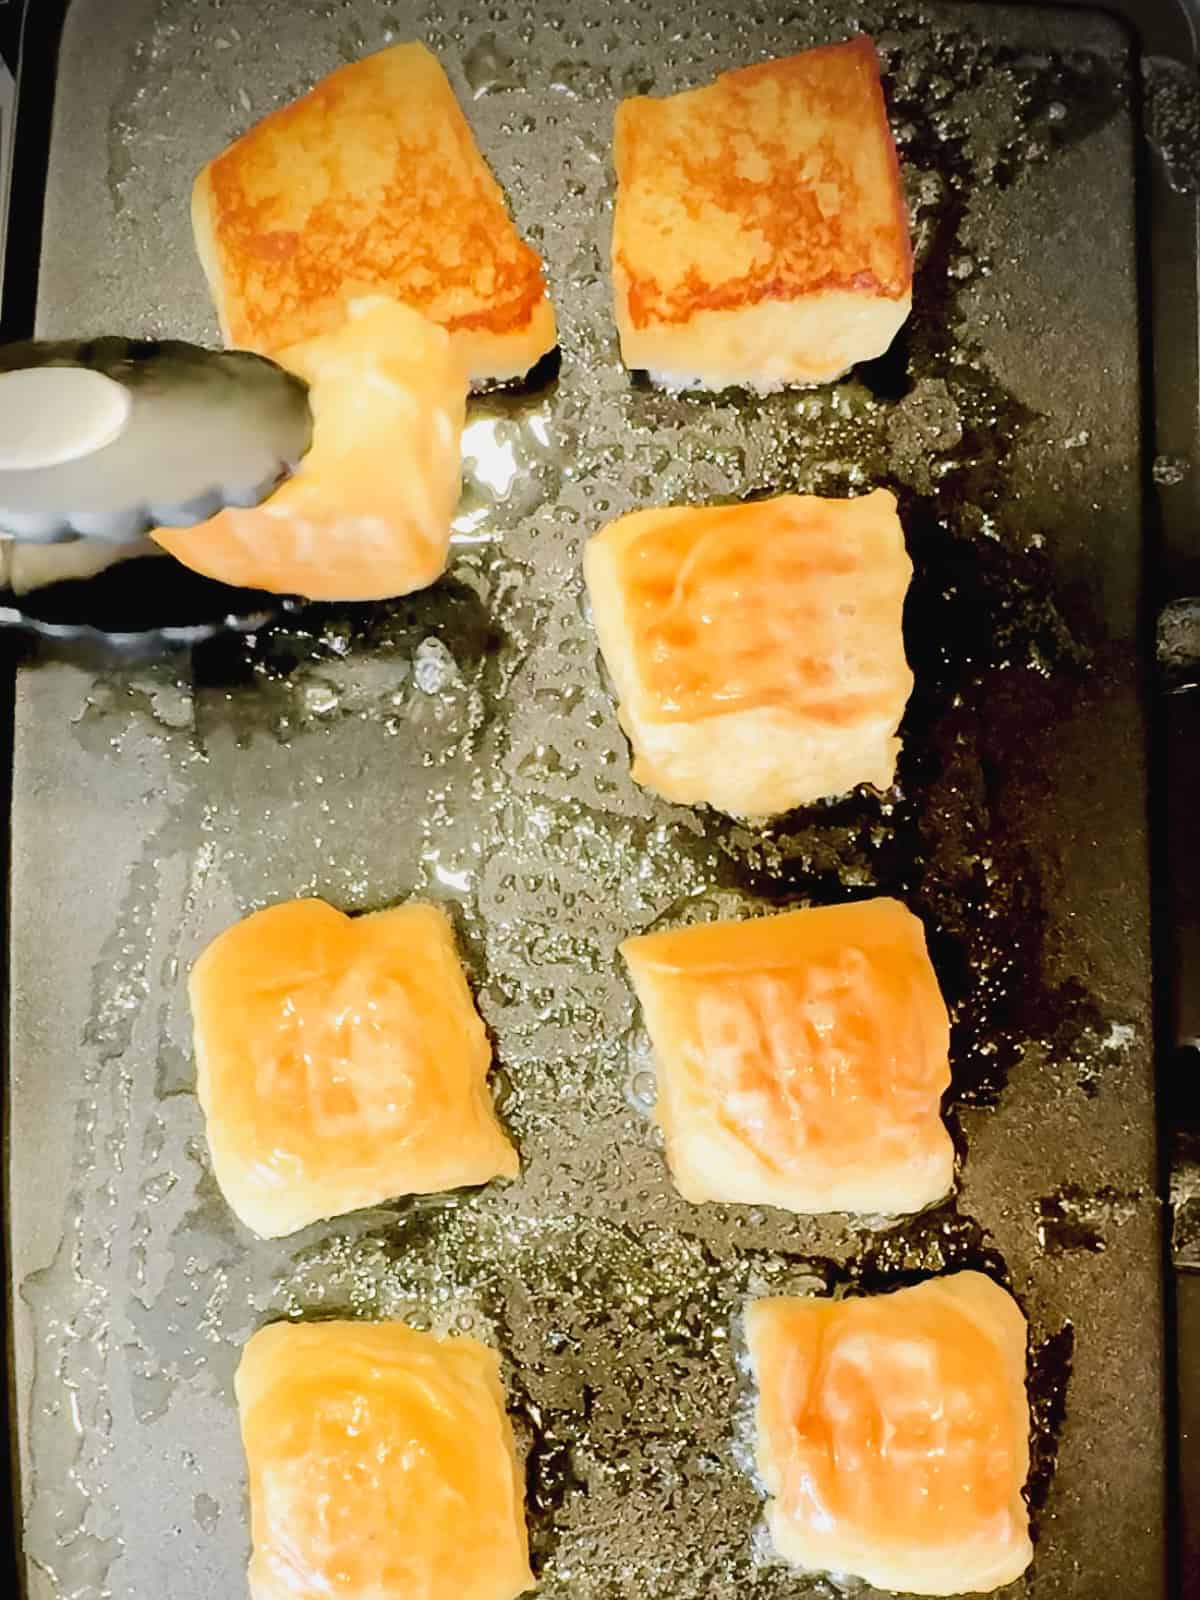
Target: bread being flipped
[366, 515]
[371, 183]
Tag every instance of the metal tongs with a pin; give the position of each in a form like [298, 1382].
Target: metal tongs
[104, 440]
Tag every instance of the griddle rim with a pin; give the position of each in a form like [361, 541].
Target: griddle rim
[1169, 268]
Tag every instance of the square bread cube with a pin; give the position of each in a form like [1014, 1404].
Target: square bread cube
[381, 1463]
[340, 1062]
[760, 236]
[757, 649]
[801, 1059]
[893, 1434]
[371, 183]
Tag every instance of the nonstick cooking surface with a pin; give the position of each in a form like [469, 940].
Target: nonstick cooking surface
[461, 745]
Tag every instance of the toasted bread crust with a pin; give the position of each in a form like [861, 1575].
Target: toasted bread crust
[370, 183]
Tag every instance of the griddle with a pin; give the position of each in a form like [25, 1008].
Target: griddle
[1038, 422]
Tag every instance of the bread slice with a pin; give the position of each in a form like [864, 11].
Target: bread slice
[370, 184]
[760, 235]
[801, 1059]
[757, 649]
[340, 1062]
[366, 516]
[893, 1434]
[381, 1462]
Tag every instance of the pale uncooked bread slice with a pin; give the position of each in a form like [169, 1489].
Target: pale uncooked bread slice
[381, 1463]
[801, 1059]
[760, 235]
[371, 183]
[893, 1434]
[757, 649]
[340, 1062]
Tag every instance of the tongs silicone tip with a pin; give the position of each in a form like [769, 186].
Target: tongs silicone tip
[103, 440]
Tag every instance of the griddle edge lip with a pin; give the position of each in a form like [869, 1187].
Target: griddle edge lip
[41, 27]
[1168, 225]
[1171, 331]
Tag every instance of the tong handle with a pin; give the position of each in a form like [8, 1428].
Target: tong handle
[111, 438]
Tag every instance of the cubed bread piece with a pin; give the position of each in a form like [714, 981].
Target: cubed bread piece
[757, 649]
[381, 1463]
[893, 1434]
[367, 514]
[801, 1058]
[341, 1062]
[760, 235]
[370, 183]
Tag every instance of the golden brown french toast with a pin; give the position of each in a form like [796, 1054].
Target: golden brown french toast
[371, 183]
[760, 234]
